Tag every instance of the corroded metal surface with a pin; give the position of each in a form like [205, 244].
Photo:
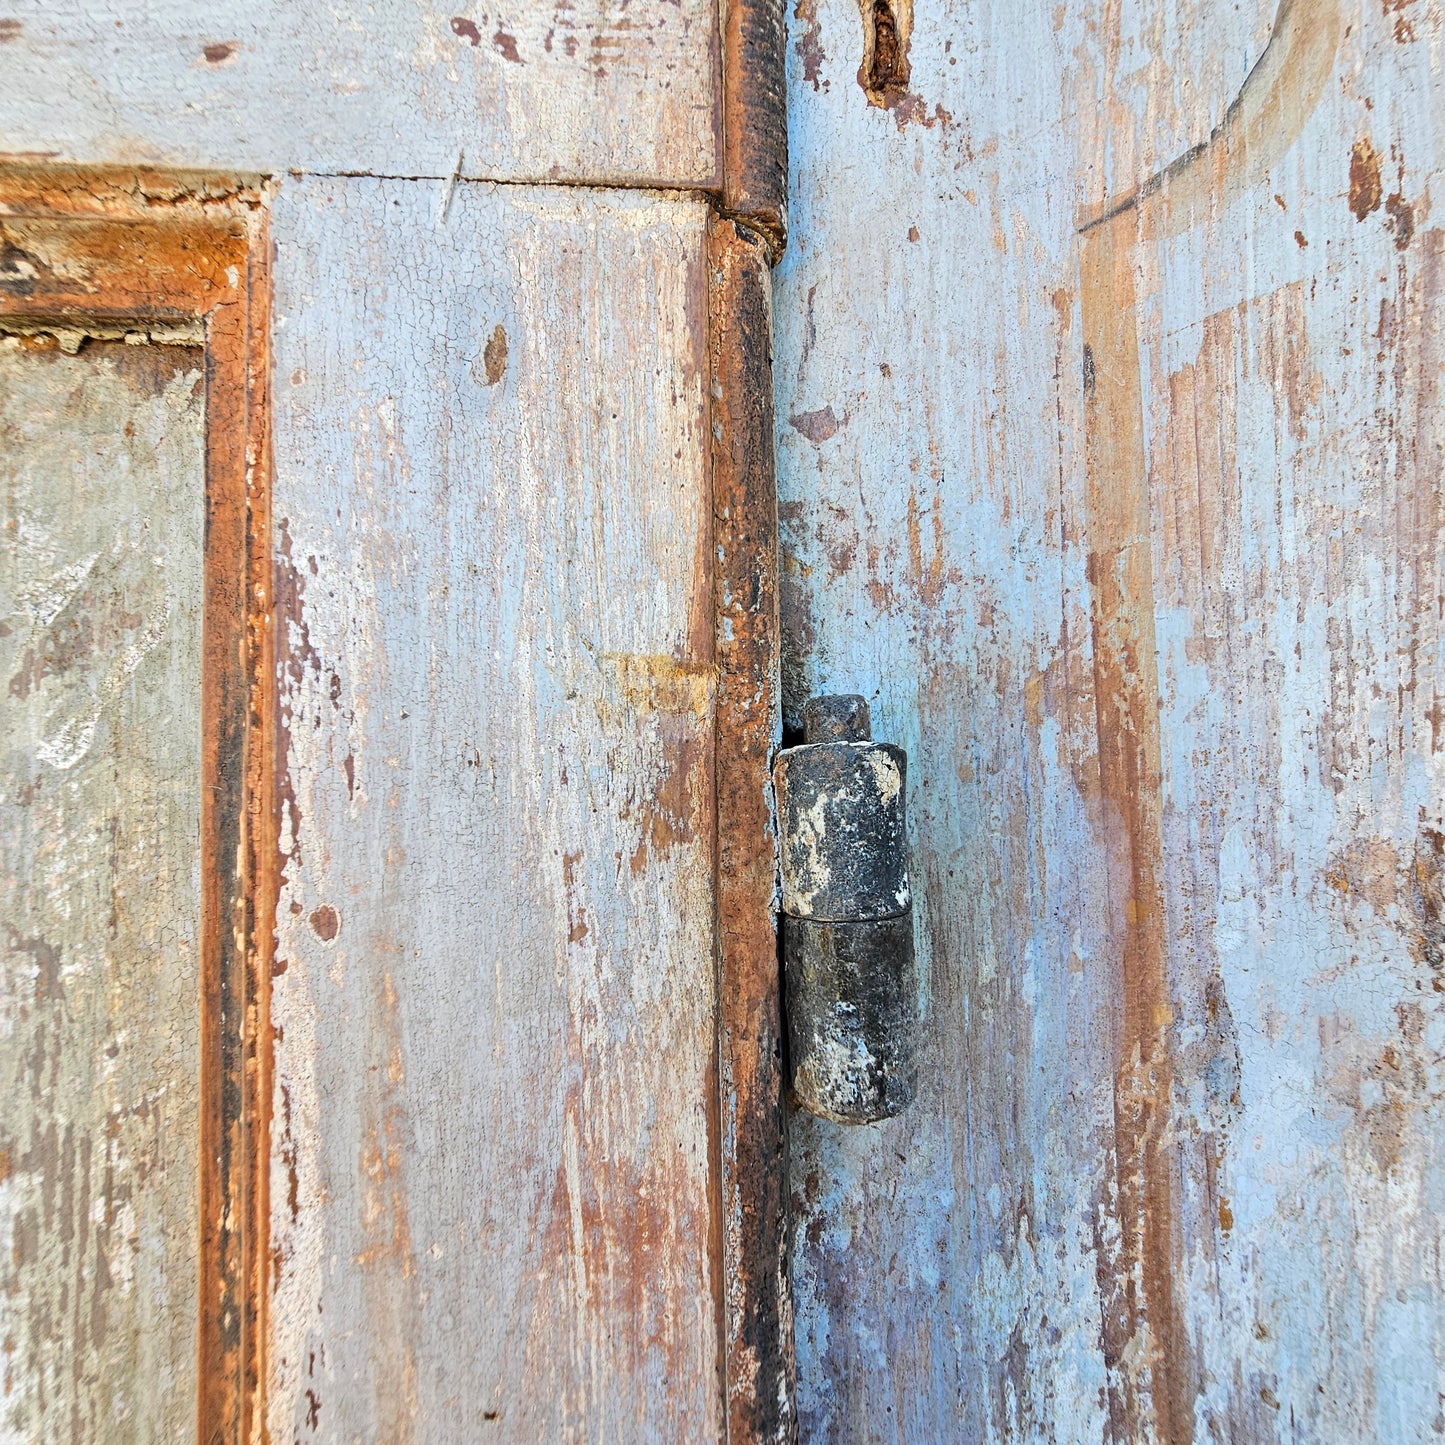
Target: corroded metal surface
[837, 718]
[1109, 358]
[755, 117]
[852, 994]
[851, 983]
[844, 832]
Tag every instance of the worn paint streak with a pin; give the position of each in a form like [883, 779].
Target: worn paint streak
[1145, 1344]
[1153, 1373]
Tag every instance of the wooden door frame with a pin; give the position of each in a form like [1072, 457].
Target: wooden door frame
[113, 254]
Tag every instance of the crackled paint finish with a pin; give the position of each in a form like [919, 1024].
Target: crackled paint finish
[1122, 503]
[100, 761]
[495, 1127]
[607, 91]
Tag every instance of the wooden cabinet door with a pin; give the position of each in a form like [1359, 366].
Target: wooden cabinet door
[388, 1015]
[1109, 359]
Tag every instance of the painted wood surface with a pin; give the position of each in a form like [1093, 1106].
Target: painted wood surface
[1109, 359]
[100, 799]
[609, 91]
[493, 1181]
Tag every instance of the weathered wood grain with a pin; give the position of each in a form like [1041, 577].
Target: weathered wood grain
[100, 888]
[1117, 483]
[494, 1189]
[611, 91]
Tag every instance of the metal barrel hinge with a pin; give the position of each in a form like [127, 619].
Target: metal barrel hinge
[850, 982]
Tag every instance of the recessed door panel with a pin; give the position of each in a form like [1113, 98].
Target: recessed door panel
[102, 487]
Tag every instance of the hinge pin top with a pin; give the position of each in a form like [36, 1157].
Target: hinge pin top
[840, 718]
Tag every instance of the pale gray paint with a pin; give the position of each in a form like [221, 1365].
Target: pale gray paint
[100, 615]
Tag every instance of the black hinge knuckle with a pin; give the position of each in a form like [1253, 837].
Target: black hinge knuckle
[850, 979]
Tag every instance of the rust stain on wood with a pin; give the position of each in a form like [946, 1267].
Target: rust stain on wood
[757, 1321]
[1146, 1346]
[1365, 192]
[109, 247]
[819, 425]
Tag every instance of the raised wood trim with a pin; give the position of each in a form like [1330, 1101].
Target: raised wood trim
[758, 1317]
[86, 250]
[755, 118]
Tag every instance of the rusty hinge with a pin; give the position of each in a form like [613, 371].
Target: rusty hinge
[850, 981]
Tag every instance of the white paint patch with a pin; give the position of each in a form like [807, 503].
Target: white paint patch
[885, 774]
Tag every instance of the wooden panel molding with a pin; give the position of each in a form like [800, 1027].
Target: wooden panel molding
[87, 254]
